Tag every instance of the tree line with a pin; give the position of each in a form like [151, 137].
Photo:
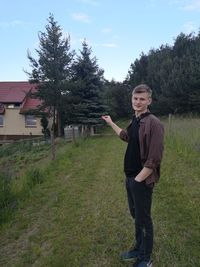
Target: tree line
[73, 89]
[173, 72]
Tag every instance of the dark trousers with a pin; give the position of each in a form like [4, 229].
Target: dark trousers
[139, 200]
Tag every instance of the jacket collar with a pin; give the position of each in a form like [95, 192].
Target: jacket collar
[143, 115]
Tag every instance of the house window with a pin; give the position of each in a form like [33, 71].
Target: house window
[30, 121]
[1, 120]
[11, 106]
[15, 105]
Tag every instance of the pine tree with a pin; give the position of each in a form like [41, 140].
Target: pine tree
[87, 89]
[51, 71]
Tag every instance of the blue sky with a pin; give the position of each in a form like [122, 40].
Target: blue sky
[118, 31]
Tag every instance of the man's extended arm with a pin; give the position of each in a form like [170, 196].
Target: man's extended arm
[114, 126]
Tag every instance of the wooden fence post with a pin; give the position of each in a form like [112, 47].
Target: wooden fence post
[169, 123]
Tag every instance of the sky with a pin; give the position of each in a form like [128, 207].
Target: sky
[117, 31]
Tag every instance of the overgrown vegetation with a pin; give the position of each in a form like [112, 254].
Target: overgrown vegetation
[74, 210]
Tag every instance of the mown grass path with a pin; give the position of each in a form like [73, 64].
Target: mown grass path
[79, 216]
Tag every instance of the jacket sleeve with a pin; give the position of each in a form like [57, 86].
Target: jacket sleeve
[123, 135]
[155, 149]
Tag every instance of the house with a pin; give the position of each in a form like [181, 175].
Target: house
[17, 119]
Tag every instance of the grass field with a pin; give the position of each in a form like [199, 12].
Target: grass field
[73, 212]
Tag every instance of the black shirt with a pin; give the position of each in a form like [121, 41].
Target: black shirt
[132, 160]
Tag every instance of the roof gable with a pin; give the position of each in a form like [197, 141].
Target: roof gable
[18, 92]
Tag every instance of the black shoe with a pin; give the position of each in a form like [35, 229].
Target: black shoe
[142, 263]
[130, 255]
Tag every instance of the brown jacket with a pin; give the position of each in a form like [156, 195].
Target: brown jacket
[151, 134]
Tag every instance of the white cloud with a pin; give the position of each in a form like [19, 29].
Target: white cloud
[189, 27]
[110, 45]
[81, 17]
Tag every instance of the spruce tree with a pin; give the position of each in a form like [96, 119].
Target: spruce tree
[51, 71]
[87, 89]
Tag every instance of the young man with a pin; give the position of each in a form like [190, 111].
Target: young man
[142, 168]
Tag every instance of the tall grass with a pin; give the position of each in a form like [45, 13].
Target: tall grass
[184, 132]
[19, 174]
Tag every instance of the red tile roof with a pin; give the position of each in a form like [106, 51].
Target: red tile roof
[14, 92]
[30, 104]
[17, 92]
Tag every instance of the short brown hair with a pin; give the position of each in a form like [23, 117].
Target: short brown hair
[142, 88]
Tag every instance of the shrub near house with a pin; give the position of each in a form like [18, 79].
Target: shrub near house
[16, 119]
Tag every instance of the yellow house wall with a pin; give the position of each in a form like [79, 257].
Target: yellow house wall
[14, 124]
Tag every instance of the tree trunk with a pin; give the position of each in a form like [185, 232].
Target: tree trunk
[169, 123]
[53, 147]
[59, 131]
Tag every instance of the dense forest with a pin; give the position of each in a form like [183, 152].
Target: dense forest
[73, 88]
[173, 72]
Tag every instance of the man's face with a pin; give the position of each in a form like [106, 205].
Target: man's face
[140, 102]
